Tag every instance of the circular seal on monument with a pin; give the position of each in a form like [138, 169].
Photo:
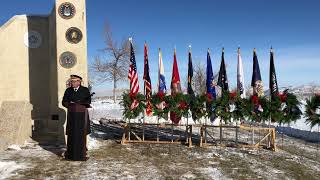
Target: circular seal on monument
[68, 60]
[32, 39]
[67, 10]
[74, 35]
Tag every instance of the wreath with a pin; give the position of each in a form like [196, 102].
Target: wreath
[133, 105]
[276, 108]
[223, 107]
[290, 107]
[312, 113]
[257, 108]
[198, 107]
[179, 104]
[238, 104]
[160, 105]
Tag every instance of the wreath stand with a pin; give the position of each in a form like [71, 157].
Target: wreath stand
[268, 139]
[133, 134]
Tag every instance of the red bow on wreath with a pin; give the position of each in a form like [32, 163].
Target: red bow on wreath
[257, 105]
[232, 95]
[183, 105]
[209, 97]
[283, 97]
[161, 95]
[255, 99]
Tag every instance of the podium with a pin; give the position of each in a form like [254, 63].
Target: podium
[78, 107]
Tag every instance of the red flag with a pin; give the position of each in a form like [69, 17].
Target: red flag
[175, 86]
[147, 81]
[175, 81]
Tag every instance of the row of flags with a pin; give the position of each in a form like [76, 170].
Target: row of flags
[222, 83]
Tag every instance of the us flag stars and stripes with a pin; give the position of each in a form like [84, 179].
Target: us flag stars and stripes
[133, 76]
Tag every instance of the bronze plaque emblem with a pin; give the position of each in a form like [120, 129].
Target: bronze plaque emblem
[74, 35]
[67, 60]
[67, 10]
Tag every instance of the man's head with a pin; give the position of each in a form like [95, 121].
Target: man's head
[75, 81]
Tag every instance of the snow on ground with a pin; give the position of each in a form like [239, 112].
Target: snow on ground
[8, 168]
[105, 109]
[93, 143]
[295, 159]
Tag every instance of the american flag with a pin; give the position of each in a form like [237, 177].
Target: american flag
[147, 81]
[133, 76]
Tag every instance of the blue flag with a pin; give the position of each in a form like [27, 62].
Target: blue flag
[256, 82]
[162, 80]
[210, 86]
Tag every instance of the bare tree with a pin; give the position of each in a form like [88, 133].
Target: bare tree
[199, 78]
[113, 67]
[249, 90]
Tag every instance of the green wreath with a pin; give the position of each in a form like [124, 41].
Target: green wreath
[160, 105]
[222, 107]
[239, 112]
[311, 114]
[132, 111]
[179, 104]
[198, 107]
[276, 111]
[291, 110]
[257, 108]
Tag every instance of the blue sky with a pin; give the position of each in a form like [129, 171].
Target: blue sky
[292, 27]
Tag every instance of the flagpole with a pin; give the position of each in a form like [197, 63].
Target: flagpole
[158, 91]
[239, 94]
[129, 135]
[270, 102]
[145, 92]
[271, 51]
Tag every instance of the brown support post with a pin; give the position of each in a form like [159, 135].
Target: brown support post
[129, 132]
[123, 141]
[187, 133]
[205, 131]
[172, 132]
[201, 136]
[274, 139]
[190, 136]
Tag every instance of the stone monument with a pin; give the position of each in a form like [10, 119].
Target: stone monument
[38, 54]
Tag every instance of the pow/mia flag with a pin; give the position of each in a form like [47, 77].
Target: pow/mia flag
[222, 79]
[273, 84]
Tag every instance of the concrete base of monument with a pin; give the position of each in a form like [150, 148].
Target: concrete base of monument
[48, 138]
[15, 123]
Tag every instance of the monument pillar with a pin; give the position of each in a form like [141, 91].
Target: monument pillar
[69, 56]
